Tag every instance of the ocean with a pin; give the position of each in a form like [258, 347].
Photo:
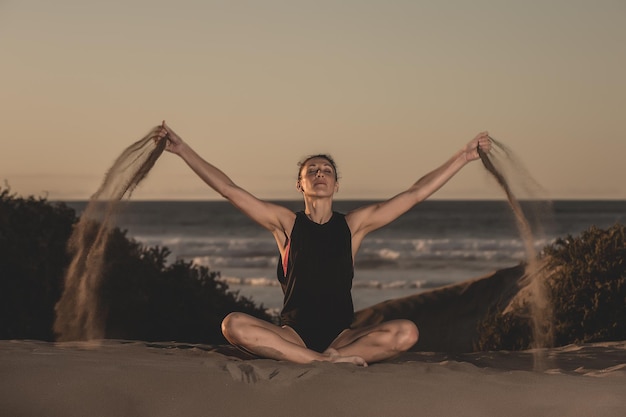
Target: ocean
[438, 242]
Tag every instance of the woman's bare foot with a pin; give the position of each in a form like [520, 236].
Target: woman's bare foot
[334, 357]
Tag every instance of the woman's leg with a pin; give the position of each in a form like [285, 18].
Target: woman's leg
[378, 342]
[270, 341]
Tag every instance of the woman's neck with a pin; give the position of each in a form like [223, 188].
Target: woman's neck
[319, 210]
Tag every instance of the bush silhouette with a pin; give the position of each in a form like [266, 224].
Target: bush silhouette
[587, 290]
[142, 296]
[33, 257]
[588, 287]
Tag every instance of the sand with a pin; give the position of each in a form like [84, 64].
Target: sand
[123, 378]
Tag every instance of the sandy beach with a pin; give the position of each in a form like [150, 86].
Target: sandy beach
[124, 378]
[137, 378]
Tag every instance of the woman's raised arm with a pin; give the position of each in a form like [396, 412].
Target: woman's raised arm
[273, 217]
[369, 218]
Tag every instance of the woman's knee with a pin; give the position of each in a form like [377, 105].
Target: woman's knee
[233, 325]
[407, 334]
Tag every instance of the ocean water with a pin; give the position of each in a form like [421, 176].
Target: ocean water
[436, 243]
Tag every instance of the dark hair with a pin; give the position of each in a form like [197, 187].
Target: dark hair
[327, 157]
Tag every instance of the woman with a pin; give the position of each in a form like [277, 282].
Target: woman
[317, 247]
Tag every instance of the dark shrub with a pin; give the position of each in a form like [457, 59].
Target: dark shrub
[588, 286]
[587, 290]
[142, 297]
[33, 257]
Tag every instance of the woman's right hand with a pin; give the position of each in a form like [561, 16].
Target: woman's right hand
[174, 142]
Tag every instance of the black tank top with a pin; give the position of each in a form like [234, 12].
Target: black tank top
[318, 280]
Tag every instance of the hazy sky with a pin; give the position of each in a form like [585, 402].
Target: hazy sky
[390, 88]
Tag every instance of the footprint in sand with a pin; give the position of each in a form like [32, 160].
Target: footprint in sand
[252, 374]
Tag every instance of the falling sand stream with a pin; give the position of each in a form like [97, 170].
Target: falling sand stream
[539, 308]
[79, 313]
[81, 317]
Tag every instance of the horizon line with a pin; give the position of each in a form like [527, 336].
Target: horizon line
[449, 199]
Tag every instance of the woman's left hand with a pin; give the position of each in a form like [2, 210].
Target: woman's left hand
[482, 141]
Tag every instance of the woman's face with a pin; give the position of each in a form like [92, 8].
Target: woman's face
[318, 177]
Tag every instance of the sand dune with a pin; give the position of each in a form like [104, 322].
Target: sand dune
[447, 317]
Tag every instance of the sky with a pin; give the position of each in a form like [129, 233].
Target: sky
[390, 88]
